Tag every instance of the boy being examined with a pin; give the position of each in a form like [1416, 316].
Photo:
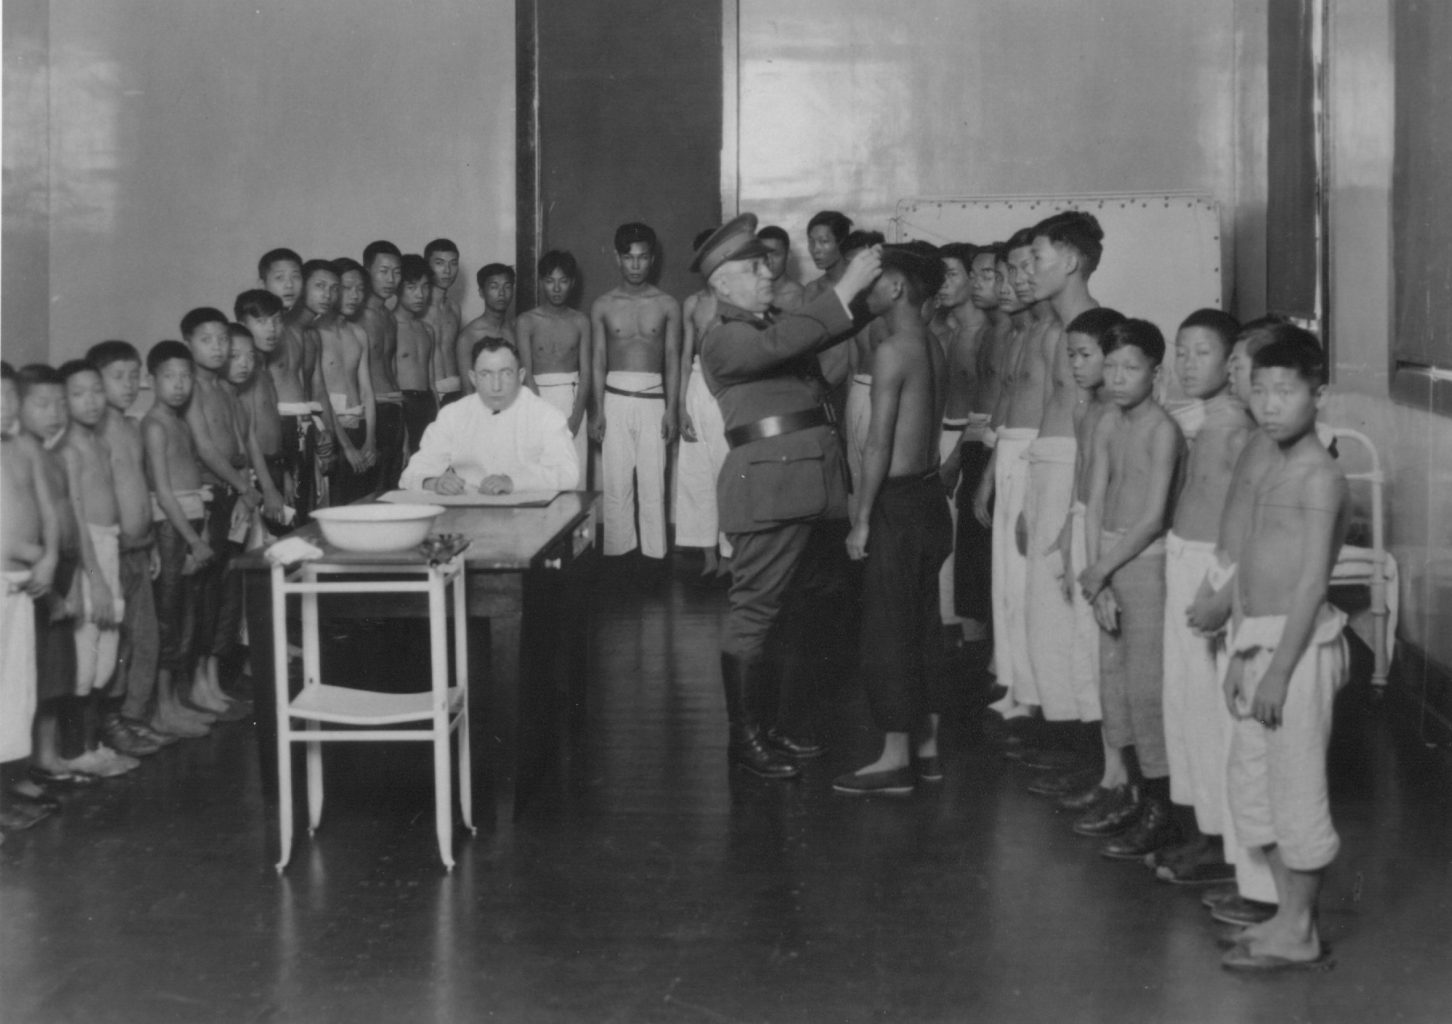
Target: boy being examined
[554, 347]
[442, 314]
[292, 363]
[636, 344]
[414, 352]
[90, 481]
[857, 405]
[381, 263]
[1066, 251]
[179, 513]
[28, 550]
[1196, 726]
[495, 282]
[343, 380]
[43, 417]
[260, 313]
[703, 438]
[214, 418]
[786, 293]
[126, 724]
[1288, 656]
[1136, 451]
[903, 530]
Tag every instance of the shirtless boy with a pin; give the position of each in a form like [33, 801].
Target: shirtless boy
[786, 293]
[554, 347]
[903, 531]
[260, 313]
[413, 354]
[857, 408]
[703, 438]
[92, 488]
[381, 263]
[126, 724]
[27, 556]
[636, 344]
[1136, 452]
[214, 417]
[1016, 422]
[827, 232]
[443, 316]
[242, 374]
[972, 540]
[495, 282]
[1288, 656]
[1066, 251]
[343, 379]
[1197, 730]
[179, 513]
[292, 364]
[43, 417]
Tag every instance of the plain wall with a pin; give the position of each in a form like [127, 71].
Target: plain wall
[855, 104]
[25, 257]
[188, 138]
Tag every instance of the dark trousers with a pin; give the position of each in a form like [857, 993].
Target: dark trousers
[419, 410]
[55, 637]
[973, 564]
[388, 435]
[902, 660]
[345, 485]
[219, 616]
[177, 598]
[136, 661]
[299, 449]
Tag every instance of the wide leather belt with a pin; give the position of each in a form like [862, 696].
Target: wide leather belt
[635, 394]
[775, 426]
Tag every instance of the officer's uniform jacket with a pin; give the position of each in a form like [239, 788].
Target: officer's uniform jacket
[757, 368]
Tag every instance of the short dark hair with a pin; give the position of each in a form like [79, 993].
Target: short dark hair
[440, 245]
[1078, 230]
[963, 252]
[276, 256]
[381, 247]
[71, 367]
[1292, 348]
[1142, 334]
[557, 259]
[104, 353]
[27, 378]
[239, 331]
[627, 235]
[921, 266]
[489, 270]
[312, 267]
[165, 351]
[1094, 322]
[994, 249]
[770, 232]
[491, 344]
[1260, 330]
[860, 240]
[256, 303]
[1217, 322]
[343, 264]
[1019, 239]
[414, 267]
[834, 221]
[199, 316]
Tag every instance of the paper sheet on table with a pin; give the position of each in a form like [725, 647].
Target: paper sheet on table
[519, 499]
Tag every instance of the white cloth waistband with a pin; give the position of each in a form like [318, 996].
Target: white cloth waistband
[955, 426]
[1263, 632]
[1058, 450]
[862, 378]
[557, 380]
[1177, 545]
[341, 408]
[15, 580]
[104, 530]
[298, 408]
[1078, 509]
[1017, 433]
[391, 397]
[633, 380]
[193, 504]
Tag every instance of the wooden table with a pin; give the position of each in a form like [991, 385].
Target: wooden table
[527, 657]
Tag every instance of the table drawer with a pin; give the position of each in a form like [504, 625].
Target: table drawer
[561, 554]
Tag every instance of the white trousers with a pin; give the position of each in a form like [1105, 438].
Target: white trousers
[96, 648]
[698, 466]
[559, 390]
[633, 457]
[947, 442]
[1048, 615]
[17, 668]
[1010, 569]
[1084, 666]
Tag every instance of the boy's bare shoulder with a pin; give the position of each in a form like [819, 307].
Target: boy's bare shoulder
[1228, 413]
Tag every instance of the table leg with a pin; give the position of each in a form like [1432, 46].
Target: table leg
[257, 598]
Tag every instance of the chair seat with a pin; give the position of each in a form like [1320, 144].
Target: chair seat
[347, 706]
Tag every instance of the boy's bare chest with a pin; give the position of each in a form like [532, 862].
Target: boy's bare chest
[633, 318]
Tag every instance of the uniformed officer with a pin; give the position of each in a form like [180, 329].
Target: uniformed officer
[784, 473]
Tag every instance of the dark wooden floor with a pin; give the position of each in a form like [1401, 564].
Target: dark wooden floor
[646, 884]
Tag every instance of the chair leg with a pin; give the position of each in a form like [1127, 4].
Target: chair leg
[443, 798]
[315, 782]
[466, 774]
[284, 723]
[461, 679]
[284, 799]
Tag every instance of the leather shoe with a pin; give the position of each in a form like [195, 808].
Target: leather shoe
[1113, 815]
[1062, 783]
[1091, 796]
[1241, 911]
[893, 782]
[929, 769]
[1154, 829]
[1049, 760]
[755, 757]
[802, 750]
[42, 799]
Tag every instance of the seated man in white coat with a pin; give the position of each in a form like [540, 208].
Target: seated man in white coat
[508, 439]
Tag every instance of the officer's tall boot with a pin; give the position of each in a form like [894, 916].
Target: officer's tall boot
[741, 678]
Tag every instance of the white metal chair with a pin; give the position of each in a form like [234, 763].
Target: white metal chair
[1371, 567]
[435, 712]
